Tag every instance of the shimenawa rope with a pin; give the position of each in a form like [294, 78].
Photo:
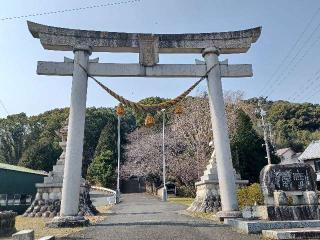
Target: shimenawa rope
[149, 107]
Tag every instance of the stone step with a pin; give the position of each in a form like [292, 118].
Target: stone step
[209, 167]
[209, 177]
[55, 175]
[257, 226]
[211, 171]
[293, 233]
[58, 168]
[27, 234]
[47, 238]
[55, 179]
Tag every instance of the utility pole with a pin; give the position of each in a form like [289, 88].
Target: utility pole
[271, 136]
[164, 191]
[265, 130]
[120, 111]
[118, 172]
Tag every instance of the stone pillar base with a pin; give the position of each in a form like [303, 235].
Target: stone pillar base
[48, 201]
[208, 196]
[222, 215]
[207, 199]
[68, 221]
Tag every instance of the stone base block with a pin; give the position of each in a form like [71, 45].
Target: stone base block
[68, 221]
[207, 199]
[256, 226]
[295, 233]
[284, 213]
[7, 223]
[222, 215]
[208, 195]
[47, 204]
[208, 203]
[24, 235]
[251, 213]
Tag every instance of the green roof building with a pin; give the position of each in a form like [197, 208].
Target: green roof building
[17, 187]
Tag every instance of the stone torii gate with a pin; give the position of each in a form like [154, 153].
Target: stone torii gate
[149, 46]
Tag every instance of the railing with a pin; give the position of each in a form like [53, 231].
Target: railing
[112, 194]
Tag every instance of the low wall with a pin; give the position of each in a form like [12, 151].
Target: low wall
[111, 195]
[7, 223]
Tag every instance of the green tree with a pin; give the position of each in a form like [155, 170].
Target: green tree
[96, 120]
[248, 153]
[101, 170]
[101, 133]
[107, 142]
[42, 142]
[33, 142]
[106, 154]
[13, 133]
[41, 155]
[108, 139]
[295, 125]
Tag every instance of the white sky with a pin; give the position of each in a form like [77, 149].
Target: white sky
[21, 90]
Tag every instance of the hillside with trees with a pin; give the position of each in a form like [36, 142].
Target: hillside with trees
[295, 124]
[32, 141]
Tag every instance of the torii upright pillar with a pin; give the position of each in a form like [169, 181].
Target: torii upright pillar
[73, 162]
[227, 184]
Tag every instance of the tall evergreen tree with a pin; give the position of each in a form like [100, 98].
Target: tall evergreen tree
[247, 149]
[13, 132]
[101, 170]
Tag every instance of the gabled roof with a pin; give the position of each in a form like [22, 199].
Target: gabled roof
[282, 151]
[21, 169]
[312, 151]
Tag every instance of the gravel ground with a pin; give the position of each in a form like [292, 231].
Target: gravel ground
[144, 217]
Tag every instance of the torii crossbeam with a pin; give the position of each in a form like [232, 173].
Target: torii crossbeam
[149, 46]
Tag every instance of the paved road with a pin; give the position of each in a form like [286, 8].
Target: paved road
[142, 217]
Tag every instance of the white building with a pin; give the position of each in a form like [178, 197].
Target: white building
[312, 156]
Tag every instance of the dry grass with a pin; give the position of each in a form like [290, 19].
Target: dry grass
[40, 230]
[208, 216]
[188, 202]
[181, 200]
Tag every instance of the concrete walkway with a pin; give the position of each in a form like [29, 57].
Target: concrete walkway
[144, 217]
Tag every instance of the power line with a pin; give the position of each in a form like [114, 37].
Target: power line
[294, 67]
[290, 51]
[69, 10]
[313, 91]
[309, 82]
[4, 107]
[305, 89]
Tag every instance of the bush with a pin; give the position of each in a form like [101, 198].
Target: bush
[249, 196]
[186, 191]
